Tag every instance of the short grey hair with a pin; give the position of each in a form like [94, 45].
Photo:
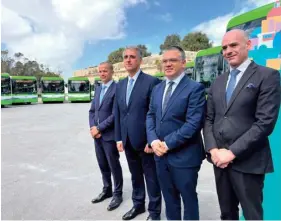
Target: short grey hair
[137, 49]
[108, 63]
[177, 48]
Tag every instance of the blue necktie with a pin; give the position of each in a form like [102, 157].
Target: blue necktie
[129, 90]
[102, 92]
[167, 96]
[231, 84]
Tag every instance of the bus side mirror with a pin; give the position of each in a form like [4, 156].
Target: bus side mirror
[220, 63]
[65, 85]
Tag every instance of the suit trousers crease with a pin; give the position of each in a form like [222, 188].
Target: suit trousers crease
[234, 187]
[108, 161]
[142, 165]
[178, 183]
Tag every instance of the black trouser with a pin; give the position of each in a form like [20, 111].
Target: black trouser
[141, 163]
[108, 160]
[234, 187]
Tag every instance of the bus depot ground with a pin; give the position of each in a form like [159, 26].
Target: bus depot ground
[49, 168]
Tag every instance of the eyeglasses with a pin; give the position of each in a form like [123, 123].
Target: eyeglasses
[171, 60]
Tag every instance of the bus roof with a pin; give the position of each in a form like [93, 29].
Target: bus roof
[51, 78]
[78, 79]
[97, 79]
[24, 77]
[5, 75]
[209, 51]
[159, 74]
[250, 15]
[190, 64]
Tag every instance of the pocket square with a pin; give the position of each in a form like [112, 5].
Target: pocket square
[251, 85]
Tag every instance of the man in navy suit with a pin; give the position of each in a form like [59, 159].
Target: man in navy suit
[175, 118]
[101, 119]
[132, 102]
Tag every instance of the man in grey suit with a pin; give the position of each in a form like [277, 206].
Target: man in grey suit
[242, 110]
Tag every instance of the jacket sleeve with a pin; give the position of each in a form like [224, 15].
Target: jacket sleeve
[151, 121]
[267, 110]
[92, 113]
[209, 140]
[193, 119]
[117, 126]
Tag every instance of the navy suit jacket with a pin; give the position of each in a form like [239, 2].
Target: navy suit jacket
[102, 115]
[130, 121]
[180, 124]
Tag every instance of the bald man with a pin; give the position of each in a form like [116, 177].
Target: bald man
[242, 110]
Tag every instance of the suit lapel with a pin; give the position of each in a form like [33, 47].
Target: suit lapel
[160, 96]
[97, 96]
[106, 94]
[124, 92]
[136, 88]
[247, 74]
[176, 92]
[223, 90]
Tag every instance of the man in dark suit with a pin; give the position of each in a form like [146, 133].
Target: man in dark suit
[101, 120]
[242, 109]
[132, 102]
[174, 121]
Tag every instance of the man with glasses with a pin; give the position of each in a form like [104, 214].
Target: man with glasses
[174, 121]
[132, 102]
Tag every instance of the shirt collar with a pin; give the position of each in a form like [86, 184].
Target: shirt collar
[176, 80]
[242, 67]
[107, 84]
[135, 76]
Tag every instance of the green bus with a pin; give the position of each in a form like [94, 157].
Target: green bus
[6, 90]
[52, 89]
[97, 82]
[24, 89]
[79, 89]
[263, 26]
[189, 68]
[208, 65]
[160, 75]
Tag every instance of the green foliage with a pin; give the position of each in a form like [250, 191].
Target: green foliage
[195, 41]
[170, 40]
[18, 65]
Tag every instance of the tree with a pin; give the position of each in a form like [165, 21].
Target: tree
[144, 51]
[15, 66]
[116, 56]
[171, 40]
[195, 41]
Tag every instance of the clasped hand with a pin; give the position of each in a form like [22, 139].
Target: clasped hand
[159, 148]
[95, 132]
[222, 157]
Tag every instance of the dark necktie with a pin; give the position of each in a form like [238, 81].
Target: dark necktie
[167, 96]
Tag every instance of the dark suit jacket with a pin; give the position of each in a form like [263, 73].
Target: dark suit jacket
[130, 120]
[245, 124]
[102, 115]
[180, 125]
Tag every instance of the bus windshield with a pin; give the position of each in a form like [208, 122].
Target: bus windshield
[189, 71]
[249, 27]
[5, 86]
[206, 69]
[53, 86]
[79, 86]
[24, 86]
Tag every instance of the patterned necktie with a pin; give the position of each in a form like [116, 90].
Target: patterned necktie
[129, 90]
[167, 96]
[102, 92]
[231, 84]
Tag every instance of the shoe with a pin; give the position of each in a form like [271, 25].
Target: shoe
[104, 195]
[133, 213]
[115, 202]
[155, 218]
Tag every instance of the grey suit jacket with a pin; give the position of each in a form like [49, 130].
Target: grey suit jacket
[243, 126]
